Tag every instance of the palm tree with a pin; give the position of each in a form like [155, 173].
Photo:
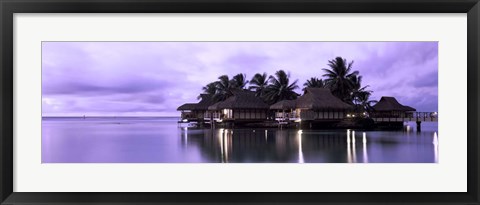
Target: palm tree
[357, 88]
[224, 88]
[258, 84]
[238, 81]
[209, 89]
[313, 83]
[363, 100]
[280, 88]
[338, 78]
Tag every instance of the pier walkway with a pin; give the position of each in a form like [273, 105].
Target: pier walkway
[415, 117]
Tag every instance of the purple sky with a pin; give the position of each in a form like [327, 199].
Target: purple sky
[154, 78]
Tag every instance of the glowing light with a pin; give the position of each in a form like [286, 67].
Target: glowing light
[348, 115]
[365, 154]
[354, 152]
[353, 137]
[435, 144]
[300, 151]
[186, 136]
[348, 136]
[184, 120]
[225, 145]
[349, 152]
[220, 142]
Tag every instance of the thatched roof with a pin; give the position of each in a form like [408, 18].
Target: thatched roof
[206, 101]
[240, 100]
[410, 108]
[391, 104]
[284, 105]
[215, 106]
[187, 106]
[320, 99]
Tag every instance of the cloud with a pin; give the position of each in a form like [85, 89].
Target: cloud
[133, 85]
[155, 78]
[427, 80]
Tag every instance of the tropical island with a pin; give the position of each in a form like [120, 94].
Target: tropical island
[338, 100]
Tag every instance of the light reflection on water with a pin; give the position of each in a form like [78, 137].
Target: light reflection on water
[349, 151]
[435, 144]
[157, 140]
[300, 151]
[365, 155]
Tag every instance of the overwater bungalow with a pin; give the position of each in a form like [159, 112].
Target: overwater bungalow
[188, 112]
[319, 104]
[389, 107]
[285, 110]
[196, 111]
[242, 106]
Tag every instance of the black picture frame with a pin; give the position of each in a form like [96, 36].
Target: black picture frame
[10, 7]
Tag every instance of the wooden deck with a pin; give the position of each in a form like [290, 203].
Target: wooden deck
[410, 117]
[416, 117]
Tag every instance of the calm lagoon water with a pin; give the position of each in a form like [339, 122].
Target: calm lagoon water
[160, 140]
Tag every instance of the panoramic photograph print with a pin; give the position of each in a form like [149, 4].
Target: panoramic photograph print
[240, 102]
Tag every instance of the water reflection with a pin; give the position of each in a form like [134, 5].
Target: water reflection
[185, 135]
[365, 152]
[435, 144]
[354, 152]
[349, 152]
[160, 141]
[300, 152]
[300, 146]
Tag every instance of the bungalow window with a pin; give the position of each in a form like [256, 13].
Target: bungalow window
[227, 113]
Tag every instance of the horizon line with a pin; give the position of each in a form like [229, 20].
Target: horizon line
[108, 116]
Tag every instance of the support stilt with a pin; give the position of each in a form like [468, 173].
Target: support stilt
[419, 126]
